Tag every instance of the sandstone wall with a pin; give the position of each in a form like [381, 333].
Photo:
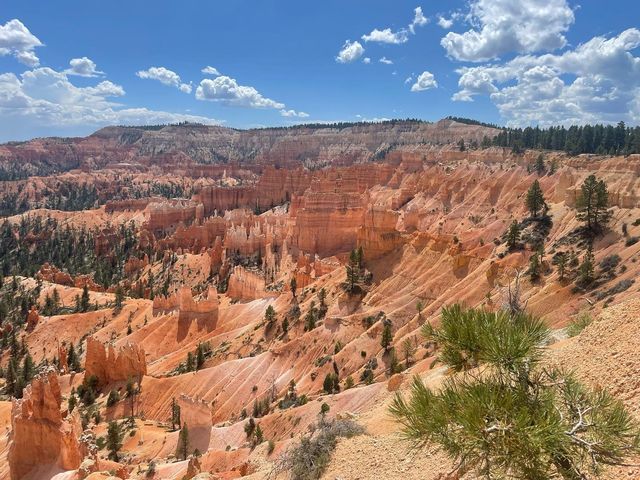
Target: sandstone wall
[246, 285]
[111, 365]
[187, 308]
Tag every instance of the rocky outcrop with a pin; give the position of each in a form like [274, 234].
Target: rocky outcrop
[111, 365]
[187, 308]
[165, 217]
[32, 318]
[378, 234]
[246, 285]
[49, 273]
[194, 412]
[40, 435]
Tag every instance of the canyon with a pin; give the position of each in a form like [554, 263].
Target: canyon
[197, 233]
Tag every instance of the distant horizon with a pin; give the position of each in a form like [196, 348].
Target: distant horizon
[67, 71]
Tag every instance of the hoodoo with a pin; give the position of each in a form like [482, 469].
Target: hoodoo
[41, 439]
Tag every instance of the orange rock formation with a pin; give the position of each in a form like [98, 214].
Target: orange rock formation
[110, 366]
[41, 437]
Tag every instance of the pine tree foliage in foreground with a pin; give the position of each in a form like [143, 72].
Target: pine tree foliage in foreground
[513, 418]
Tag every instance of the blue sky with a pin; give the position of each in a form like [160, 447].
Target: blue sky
[517, 62]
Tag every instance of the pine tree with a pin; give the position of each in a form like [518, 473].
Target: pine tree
[191, 362]
[311, 317]
[11, 376]
[562, 265]
[513, 235]
[71, 403]
[270, 316]
[540, 167]
[535, 199]
[84, 299]
[534, 267]
[199, 356]
[586, 270]
[182, 449]
[258, 435]
[592, 203]
[119, 298]
[28, 369]
[517, 419]
[408, 351]
[322, 303]
[72, 359]
[132, 391]
[114, 440]
[175, 414]
[387, 336]
[293, 285]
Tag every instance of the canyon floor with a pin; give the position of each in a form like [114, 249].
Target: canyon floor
[174, 280]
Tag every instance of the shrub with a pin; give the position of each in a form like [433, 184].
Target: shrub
[309, 459]
[581, 322]
[631, 241]
[610, 262]
[113, 398]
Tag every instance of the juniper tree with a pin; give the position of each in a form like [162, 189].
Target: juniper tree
[535, 199]
[517, 419]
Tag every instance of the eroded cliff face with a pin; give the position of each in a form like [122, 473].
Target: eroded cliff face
[41, 438]
[430, 220]
[111, 365]
[171, 147]
[188, 309]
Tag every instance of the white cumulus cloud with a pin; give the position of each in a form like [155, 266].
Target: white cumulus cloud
[166, 77]
[293, 113]
[227, 90]
[419, 19]
[425, 81]
[83, 67]
[43, 101]
[503, 26]
[17, 40]
[598, 81]
[208, 70]
[386, 61]
[386, 36]
[351, 51]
